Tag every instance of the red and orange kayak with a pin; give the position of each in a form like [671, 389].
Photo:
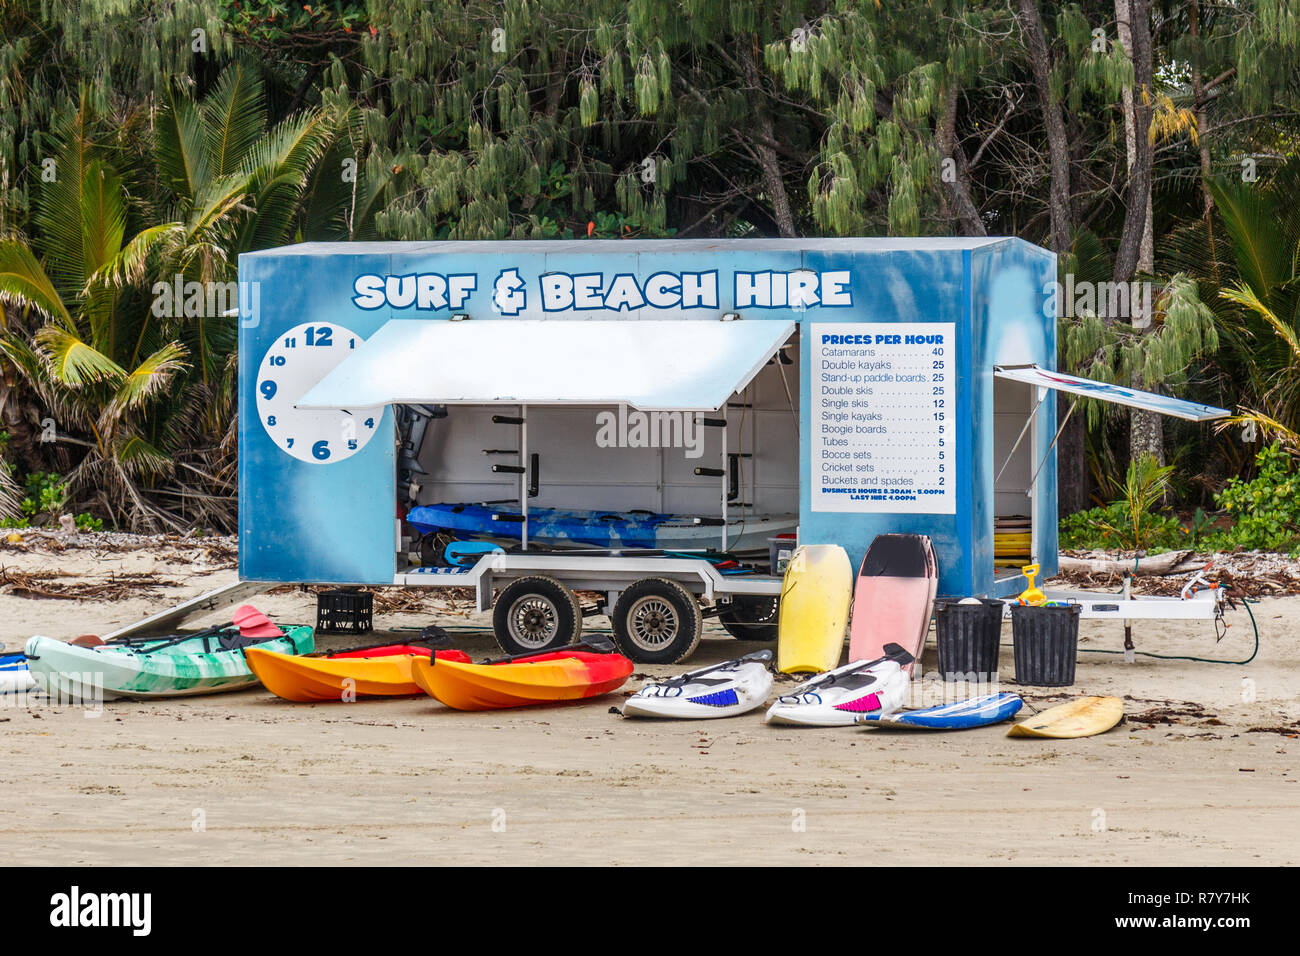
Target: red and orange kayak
[345, 675]
[540, 679]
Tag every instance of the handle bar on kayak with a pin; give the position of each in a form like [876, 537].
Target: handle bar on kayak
[431, 634]
[598, 645]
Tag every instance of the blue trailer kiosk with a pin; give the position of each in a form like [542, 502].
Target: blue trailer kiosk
[689, 398]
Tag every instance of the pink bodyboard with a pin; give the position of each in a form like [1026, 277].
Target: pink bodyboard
[893, 596]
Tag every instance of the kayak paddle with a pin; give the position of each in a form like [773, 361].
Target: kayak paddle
[597, 644]
[253, 623]
[893, 652]
[763, 656]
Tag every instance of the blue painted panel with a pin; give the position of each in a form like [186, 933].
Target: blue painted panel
[902, 286]
[1010, 284]
[299, 521]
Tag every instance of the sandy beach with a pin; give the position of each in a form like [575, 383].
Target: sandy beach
[1203, 772]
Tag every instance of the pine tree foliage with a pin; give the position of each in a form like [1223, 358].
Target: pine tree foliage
[144, 139]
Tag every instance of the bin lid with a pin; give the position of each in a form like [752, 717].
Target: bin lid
[653, 365]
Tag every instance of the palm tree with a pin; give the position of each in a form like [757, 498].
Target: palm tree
[228, 182]
[1250, 274]
[78, 361]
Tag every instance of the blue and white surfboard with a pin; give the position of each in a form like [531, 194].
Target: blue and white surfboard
[962, 715]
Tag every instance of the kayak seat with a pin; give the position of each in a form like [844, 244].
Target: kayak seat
[234, 641]
[853, 681]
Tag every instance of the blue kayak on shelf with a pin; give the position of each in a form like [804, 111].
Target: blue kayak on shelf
[556, 527]
[964, 714]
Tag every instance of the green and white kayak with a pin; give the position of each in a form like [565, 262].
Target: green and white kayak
[163, 667]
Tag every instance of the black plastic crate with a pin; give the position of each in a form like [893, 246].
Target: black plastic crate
[345, 612]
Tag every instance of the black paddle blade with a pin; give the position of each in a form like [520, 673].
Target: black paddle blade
[600, 645]
[896, 652]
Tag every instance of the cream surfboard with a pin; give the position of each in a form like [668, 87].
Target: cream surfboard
[894, 596]
[1077, 718]
[815, 597]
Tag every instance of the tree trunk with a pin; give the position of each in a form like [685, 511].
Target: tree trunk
[769, 164]
[1198, 104]
[1058, 143]
[957, 199]
[1072, 483]
[1134, 18]
[1071, 461]
[1137, 246]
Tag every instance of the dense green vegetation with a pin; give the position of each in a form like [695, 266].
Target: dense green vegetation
[142, 140]
[1261, 513]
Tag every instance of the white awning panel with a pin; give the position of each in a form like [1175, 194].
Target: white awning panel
[1088, 388]
[654, 365]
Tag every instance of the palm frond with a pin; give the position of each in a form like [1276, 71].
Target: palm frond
[103, 216]
[74, 362]
[10, 494]
[278, 167]
[59, 205]
[1258, 239]
[147, 379]
[1246, 296]
[130, 263]
[23, 282]
[137, 456]
[179, 147]
[234, 117]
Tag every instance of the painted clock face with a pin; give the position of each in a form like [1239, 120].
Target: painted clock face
[298, 360]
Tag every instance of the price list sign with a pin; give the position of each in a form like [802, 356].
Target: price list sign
[883, 427]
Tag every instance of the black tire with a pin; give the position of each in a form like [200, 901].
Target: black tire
[751, 618]
[536, 614]
[657, 621]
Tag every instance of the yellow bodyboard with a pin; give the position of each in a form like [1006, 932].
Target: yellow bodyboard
[815, 598]
[1078, 718]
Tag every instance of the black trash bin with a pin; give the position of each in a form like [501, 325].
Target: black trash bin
[1046, 641]
[967, 637]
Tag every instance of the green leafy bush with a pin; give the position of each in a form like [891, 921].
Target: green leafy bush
[46, 492]
[1097, 528]
[1265, 510]
[1132, 522]
[88, 522]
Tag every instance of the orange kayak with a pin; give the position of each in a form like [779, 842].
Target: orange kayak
[541, 679]
[346, 675]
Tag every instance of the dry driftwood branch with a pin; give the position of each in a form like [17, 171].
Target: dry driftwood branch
[1170, 563]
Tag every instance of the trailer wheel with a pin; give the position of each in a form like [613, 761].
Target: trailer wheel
[536, 614]
[657, 621]
[751, 618]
